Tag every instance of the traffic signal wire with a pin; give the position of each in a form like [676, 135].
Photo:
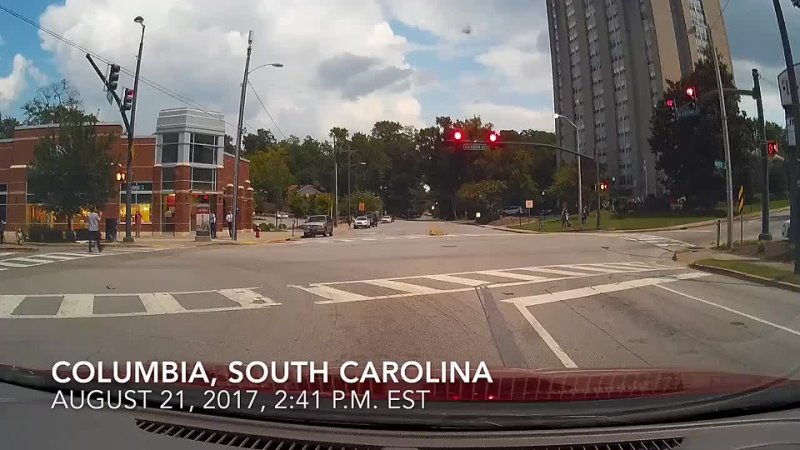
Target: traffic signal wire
[151, 83]
[265, 109]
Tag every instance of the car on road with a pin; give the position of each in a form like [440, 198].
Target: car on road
[785, 229]
[387, 219]
[317, 225]
[282, 215]
[361, 222]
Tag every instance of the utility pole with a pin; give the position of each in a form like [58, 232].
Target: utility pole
[336, 185]
[235, 212]
[580, 179]
[724, 119]
[762, 145]
[349, 193]
[599, 199]
[129, 171]
[794, 164]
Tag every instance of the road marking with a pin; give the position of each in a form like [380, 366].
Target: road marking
[405, 287]
[76, 305]
[246, 297]
[547, 338]
[8, 303]
[731, 310]
[456, 280]
[602, 268]
[160, 303]
[333, 294]
[8, 263]
[554, 271]
[57, 257]
[5, 253]
[33, 260]
[513, 276]
[601, 289]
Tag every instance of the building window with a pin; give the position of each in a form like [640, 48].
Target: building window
[203, 149]
[169, 148]
[204, 179]
[141, 201]
[167, 178]
[3, 202]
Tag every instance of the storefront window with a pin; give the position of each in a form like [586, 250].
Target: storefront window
[169, 148]
[203, 150]
[144, 208]
[167, 178]
[204, 179]
[38, 215]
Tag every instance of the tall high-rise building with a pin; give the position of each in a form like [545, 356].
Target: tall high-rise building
[611, 60]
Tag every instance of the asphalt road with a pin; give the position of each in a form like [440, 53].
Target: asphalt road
[397, 293]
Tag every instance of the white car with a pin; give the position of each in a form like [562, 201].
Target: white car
[283, 215]
[361, 222]
[387, 219]
[785, 229]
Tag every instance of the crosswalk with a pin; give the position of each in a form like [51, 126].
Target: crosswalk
[39, 259]
[659, 241]
[397, 287]
[71, 306]
[374, 238]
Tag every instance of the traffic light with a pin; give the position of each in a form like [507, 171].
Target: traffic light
[127, 101]
[772, 149]
[493, 139]
[120, 176]
[113, 77]
[691, 92]
[458, 135]
[670, 103]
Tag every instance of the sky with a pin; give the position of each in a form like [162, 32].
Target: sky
[346, 62]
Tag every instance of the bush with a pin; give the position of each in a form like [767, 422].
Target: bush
[45, 233]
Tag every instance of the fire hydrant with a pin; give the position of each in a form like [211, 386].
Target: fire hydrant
[257, 229]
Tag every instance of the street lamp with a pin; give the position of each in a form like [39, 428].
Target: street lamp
[557, 116]
[129, 168]
[349, 200]
[247, 71]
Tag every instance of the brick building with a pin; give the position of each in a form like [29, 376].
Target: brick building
[180, 174]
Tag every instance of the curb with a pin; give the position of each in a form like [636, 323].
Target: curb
[20, 249]
[746, 277]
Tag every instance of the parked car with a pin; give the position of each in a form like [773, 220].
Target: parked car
[317, 225]
[387, 219]
[785, 229]
[282, 215]
[361, 222]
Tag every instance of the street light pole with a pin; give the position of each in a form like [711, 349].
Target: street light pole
[580, 177]
[336, 185]
[239, 125]
[129, 169]
[794, 164]
[349, 167]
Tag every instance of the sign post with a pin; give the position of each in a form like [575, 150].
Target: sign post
[529, 206]
[741, 216]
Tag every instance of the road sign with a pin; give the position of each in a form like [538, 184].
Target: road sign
[783, 85]
[529, 204]
[741, 199]
[475, 146]
[719, 165]
[109, 97]
[686, 112]
[361, 207]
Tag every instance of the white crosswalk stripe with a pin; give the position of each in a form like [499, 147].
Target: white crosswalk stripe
[376, 238]
[5, 254]
[74, 306]
[659, 241]
[343, 291]
[38, 259]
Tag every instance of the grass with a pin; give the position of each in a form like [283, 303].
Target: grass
[630, 222]
[753, 269]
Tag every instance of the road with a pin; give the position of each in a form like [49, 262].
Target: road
[592, 300]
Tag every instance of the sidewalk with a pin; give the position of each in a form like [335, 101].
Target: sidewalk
[244, 238]
[767, 272]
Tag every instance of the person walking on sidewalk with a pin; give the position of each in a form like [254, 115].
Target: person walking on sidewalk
[212, 221]
[137, 219]
[229, 219]
[2, 231]
[93, 222]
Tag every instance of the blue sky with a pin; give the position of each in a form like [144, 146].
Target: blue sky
[421, 65]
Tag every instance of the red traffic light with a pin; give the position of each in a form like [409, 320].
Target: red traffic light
[129, 93]
[670, 103]
[458, 135]
[691, 92]
[772, 148]
[492, 137]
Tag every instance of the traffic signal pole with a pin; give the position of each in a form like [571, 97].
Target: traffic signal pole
[762, 145]
[129, 169]
[235, 207]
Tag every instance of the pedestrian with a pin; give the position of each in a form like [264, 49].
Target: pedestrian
[564, 218]
[229, 219]
[212, 221]
[2, 231]
[137, 220]
[93, 223]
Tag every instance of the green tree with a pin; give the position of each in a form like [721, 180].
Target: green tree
[485, 196]
[686, 148]
[371, 202]
[260, 140]
[52, 104]
[7, 126]
[269, 172]
[71, 167]
[298, 204]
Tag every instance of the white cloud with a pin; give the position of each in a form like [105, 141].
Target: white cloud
[511, 117]
[526, 67]
[16, 82]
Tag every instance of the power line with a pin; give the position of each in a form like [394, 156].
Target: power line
[265, 110]
[151, 83]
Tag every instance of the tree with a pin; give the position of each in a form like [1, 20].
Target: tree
[51, 104]
[230, 147]
[269, 172]
[371, 202]
[7, 126]
[261, 140]
[71, 170]
[484, 196]
[686, 148]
